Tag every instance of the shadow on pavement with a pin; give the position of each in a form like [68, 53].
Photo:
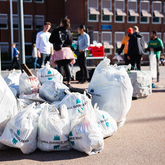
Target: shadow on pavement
[16, 154]
[145, 120]
[158, 90]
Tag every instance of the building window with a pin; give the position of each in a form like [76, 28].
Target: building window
[159, 35]
[156, 12]
[5, 56]
[28, 49]
[3, 21]
[106, 38]
[118, 40]
[132, 11]
[144, 11]
[119, 11]
[96, 36]
[146, 36]
[39, 22]
[93, 11]
[39, 1]
[27, 22]
[27, 0]
[106, 7]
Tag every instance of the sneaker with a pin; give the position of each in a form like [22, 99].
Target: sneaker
[83, 82]
[158, 80]
[153, 86]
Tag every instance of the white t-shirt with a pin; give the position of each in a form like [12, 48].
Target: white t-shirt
[34, 52]
[42, 42]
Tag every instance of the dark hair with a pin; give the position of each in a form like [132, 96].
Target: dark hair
[84, 28]
[66, 23]
[155, 32]
[47, 23]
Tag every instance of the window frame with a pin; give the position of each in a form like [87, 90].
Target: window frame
[160, 20]
[117, 32]
[6, 28]
[159, 33]
[35, 20]
[97, 34]
[31, 20]
[123, 17]
[108, 32]
[148, 18]
[28, 43]
[110, 16]
[97, 19]
[131, 9]
[38, 2]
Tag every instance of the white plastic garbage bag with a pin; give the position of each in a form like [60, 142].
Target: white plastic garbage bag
[8, 104]
[47, 73]
[52, 91]
[21, 131]
[86, 135]
[53, 129]
[28, 85]
[74, 101]
[14, 91]
[12, 79]
[152, 58]
[107, 123]
[111, 88]
[118, 58]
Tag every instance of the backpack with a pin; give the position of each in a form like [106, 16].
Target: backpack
[62, 37]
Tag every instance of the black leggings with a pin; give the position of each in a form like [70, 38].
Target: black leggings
[65, 64]
[13, 62]
[136, 60]
[83, 65]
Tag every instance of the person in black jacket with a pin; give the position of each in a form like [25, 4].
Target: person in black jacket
[61, 38]
[136, 48]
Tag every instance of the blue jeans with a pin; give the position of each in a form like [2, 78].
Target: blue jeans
[35, 62]
[44, 58]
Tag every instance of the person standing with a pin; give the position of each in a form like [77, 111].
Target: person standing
[15, 57]
[125, 46]
[83, 44]
[62, 39]
[156, 45]
[136, 48]
[34, 55]
[44, 47]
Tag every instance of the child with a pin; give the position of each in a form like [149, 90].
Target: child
[34, 55]
[15, 57]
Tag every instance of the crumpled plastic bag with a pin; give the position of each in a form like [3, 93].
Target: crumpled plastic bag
[118, 58]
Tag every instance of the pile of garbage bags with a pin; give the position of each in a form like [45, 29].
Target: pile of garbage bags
[45, 114]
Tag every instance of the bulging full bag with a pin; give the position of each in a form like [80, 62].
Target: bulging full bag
[8, 105]
[75, 101]
[152, 58]
[86, 135]
[111, 88]
[107, 123]
[12, 79]
[52, 91]
[21, 131]
[47, 73]
[53, 129]
[28, 84]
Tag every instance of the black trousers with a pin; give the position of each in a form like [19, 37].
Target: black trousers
[13, 62]
[157, 64]
[83, 65]
[126, 60]
[136, 59]
[65, 64]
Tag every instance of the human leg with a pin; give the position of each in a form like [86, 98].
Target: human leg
[43, 57]
[13, 62]
[127, 62]
[67, 70]
[132, 60]
[157, 66]
[138, 62]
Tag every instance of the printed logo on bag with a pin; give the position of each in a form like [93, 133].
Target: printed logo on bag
[70, 133]
[18, 132]
[56, 137]
[107, 124]
[103, 116]
[14, 141]
[92, 90]
[80, 111]
[49, 72]
[56, 147]
[72, 143]
[78, 101]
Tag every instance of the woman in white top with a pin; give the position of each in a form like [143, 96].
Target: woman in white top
[34, 55]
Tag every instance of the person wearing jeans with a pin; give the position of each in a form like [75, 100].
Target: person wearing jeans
[34, 55]
[44, 47]
[83, 44]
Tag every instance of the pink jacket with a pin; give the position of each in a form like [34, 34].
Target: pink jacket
[64, 53]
